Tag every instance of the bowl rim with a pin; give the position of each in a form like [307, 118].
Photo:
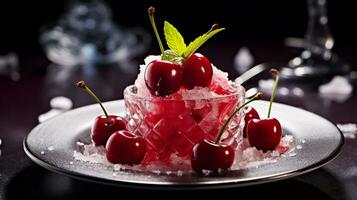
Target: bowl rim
[128, 94]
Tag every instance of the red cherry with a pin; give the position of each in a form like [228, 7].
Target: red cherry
[104, 125]
[264, 134]
[102, 130]
[250, 113]
[207, 155]
[163, 77]
[124, 147]
[197, 71]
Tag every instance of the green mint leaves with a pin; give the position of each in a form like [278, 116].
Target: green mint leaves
[174, 38]
[193, 46]
[177, 44]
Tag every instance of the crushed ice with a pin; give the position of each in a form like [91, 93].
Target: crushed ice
[58, 105]
[338, 89]
[50, 148]
[246, 157]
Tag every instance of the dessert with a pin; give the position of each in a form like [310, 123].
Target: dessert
[183, 113]
[180, 98]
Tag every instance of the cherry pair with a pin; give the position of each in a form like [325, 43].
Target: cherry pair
[122, 146]
[165, 77]
[264, 134]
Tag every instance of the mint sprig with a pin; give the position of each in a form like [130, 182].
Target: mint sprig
[177, 44]
[174, 38]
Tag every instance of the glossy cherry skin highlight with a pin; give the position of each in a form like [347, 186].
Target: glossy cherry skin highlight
[124, 147]
[101, 130]
[197, 71]
[264, 134]
[250, 113]
[163, 77]
[207, 155]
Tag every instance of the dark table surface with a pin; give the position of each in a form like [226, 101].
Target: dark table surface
[21, 102]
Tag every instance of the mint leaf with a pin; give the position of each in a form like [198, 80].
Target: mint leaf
[174, 38]
[193, 46]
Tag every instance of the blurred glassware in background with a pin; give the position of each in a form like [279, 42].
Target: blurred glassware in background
[316, 60]
[86, 34]
[9, 66]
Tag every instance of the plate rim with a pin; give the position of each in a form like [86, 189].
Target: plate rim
[180, 186]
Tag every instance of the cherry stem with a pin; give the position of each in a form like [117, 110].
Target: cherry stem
[214, 27]
[275, 73]
[82, 84]
[257, 96]
[151, 12]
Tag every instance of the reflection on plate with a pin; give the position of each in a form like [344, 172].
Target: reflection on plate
[51, 145]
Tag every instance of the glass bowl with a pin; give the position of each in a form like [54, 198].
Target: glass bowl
[172, 126]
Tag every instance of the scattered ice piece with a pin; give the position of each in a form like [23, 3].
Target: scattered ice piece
[50, 148]
[80, 143]
[179, 173]
[292, 154]
[92, 154]
[350, 172]
[71, 162]
[0, 142]
[50, 114]
[338, 89]
[42, 153]
[349, 127]
[61, 103]
[298, 146]
[349, 130]
[303, 141]
[206, 172]
[158, 172]
[168, 172]
[349, 135]
[115, 174]
[117, 167]
[243, 60]
[58, 105]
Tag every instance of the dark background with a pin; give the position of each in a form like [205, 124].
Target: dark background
[262, 26]
[247, 22]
